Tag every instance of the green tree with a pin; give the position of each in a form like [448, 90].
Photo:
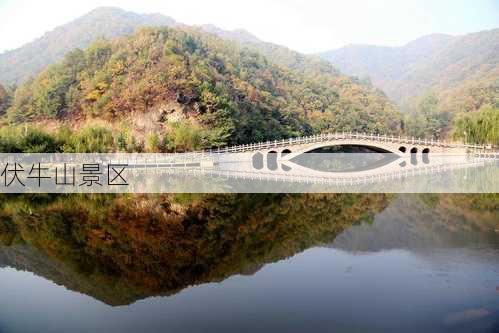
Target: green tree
[480, 127]
[428, 121]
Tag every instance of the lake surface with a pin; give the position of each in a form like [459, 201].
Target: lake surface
[246, 263]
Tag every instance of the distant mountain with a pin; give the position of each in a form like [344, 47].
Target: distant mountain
[453, 67]
[385, 65]
[238, 35]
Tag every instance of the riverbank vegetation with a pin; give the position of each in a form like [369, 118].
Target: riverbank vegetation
[99, 138]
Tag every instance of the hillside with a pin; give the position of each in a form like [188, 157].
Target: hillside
[465, 64]
[5, 99]
[183, 82]
[438, 78]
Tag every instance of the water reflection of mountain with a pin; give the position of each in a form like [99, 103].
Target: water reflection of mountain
[422, 223]
[119, 249]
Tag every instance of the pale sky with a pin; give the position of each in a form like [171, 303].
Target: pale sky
[304, 25]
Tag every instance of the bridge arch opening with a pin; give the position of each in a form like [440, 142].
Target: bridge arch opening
[414, 150]
[272, 160]
[403, 149]
[285, 152]
[257, 161]
[426, 151]
[343, 157]
[347, 148]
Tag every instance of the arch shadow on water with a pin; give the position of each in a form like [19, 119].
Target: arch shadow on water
[345, 158]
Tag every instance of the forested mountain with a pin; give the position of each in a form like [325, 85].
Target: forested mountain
[109, 23]
[103, 22]
[238, 35]
[190, 88]
[439, 78]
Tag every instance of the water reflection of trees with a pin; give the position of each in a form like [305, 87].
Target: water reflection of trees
[123, 248]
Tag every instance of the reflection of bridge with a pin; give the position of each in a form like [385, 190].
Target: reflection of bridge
[308, 176]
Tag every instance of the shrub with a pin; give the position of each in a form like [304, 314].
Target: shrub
[91, 140]
[153, 143]
[28, 140]
[185, 137]
[37, 141]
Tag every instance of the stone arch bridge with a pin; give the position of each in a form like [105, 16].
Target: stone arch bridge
[278, 152]
[388, 144]
[288, 149]
[282, 151]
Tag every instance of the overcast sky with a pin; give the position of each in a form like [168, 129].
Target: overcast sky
[303, 25]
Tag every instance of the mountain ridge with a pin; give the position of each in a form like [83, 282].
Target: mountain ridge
[28, 60]
[436, 61]
[18, 64]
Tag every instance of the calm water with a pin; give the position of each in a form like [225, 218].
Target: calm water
[349, 264]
